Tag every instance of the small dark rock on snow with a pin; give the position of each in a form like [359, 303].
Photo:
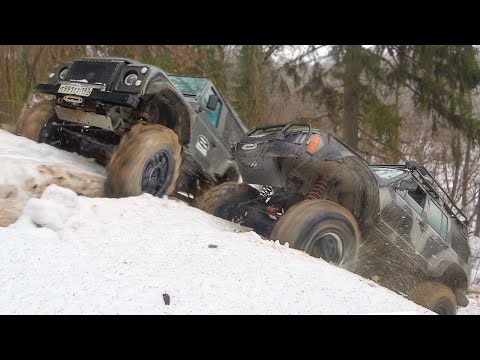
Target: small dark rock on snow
[166, 299]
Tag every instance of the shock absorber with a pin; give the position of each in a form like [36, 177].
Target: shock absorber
[318, 191]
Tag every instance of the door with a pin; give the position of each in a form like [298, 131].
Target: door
[207, 144]
[410, 223]
[438, 243]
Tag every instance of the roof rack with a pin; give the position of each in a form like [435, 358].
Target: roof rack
[426, 179]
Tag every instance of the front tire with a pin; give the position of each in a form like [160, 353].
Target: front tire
[34, 119]
[322, 229]
[436, 297]
[146, 160]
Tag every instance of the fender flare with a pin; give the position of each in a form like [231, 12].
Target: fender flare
[166, 91]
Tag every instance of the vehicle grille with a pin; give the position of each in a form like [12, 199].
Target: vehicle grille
[93, 71]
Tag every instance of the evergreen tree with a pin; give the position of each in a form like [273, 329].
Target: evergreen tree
[359, 82]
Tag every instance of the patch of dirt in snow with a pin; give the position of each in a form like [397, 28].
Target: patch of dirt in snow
[29, 168]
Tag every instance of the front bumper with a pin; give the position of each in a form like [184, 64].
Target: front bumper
[106, 97]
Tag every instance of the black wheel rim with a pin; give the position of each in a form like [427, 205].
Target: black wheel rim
[155, 175]
[328, 247]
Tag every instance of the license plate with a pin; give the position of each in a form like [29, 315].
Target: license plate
[75, 90]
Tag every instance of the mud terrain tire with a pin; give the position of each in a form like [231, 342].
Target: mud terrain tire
[34, 118]
[436, 297]
[223, 200]
[146, 160]
[320, 228]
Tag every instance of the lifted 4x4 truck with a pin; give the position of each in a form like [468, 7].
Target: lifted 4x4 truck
[156, 133]
[390, 223]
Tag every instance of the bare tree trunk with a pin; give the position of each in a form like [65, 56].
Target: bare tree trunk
[351, 95]
[477, 211]
[466, 173]
[254, 88]
[222, 79]
[456, 153]
[396, 135]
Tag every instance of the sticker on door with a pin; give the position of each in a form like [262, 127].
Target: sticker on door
[202, 145]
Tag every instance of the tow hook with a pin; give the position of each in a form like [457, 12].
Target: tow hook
[77, 100]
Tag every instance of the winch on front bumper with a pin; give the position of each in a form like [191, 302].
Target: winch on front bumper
[97, 95]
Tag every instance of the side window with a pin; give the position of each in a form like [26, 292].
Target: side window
[437, 220]
[416, 199]
[213, 115]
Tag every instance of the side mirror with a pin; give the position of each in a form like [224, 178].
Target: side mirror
[408, 185]
[413, 165]
[212, 102]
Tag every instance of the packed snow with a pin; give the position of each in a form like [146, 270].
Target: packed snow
[73, 254]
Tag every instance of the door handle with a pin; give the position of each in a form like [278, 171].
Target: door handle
[422, 224]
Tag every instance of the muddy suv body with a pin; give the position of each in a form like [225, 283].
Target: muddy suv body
[96, 101]
[390, 223]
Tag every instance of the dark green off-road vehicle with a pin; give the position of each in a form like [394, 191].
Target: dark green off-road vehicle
[156, 133]
[390, 223]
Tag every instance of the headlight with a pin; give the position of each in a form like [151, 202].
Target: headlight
[130, 79]
[63, 74]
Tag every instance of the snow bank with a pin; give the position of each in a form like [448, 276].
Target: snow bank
[475, 254]
[28, 168]
[70, 254]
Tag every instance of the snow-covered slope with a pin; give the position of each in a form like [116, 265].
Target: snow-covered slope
[71, 254]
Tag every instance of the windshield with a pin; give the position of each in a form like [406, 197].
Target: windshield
[189, 85]
[387, 173]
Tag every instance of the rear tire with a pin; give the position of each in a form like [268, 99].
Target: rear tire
[34, 119]
[146, 160]
[322, 229]
[436, 297]
[222, 200]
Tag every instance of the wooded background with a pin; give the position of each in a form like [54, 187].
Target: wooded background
[391, 102]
